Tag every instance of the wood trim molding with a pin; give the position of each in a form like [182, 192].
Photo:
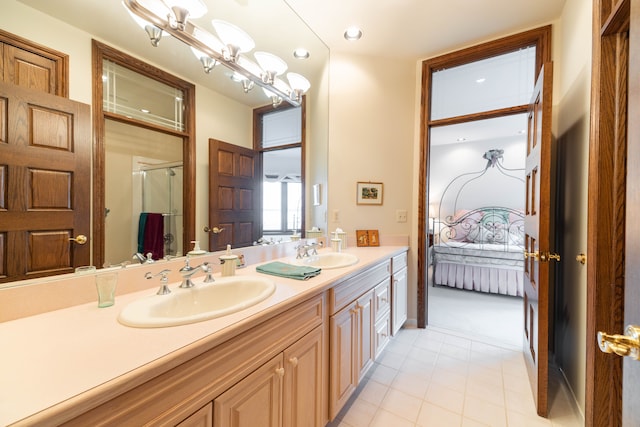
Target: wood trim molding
[541, 38]
[101, 51]
[61, 59]
[606, 209]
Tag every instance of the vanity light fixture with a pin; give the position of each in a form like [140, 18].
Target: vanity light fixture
[353, 34]
[247, 84]
[154, 33]
[271, 65]
[275, 99]
[207, 62]
[234, 39]
[299, 85]
[184, 10]
[228, 46]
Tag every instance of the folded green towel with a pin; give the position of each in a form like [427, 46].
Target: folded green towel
[299, 272]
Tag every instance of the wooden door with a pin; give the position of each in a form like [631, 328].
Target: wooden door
[234, 195]
[304, 384]
[537, 239]
[45, 158]
[32, 66]
[254, 401]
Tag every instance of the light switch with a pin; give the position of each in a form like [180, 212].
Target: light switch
[401, 215]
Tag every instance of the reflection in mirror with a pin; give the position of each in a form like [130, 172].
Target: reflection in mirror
[281, 194]
[224, 110]
[143, 175]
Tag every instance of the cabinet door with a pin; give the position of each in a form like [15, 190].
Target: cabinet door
[344, 344]
[399, 300]
[366, 330]
[304, 384]
[254, 401]
[201, 418]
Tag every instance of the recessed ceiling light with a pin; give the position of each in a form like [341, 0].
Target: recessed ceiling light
[301, 53]
[480, 80]
[353, 33]
[144, 110]
[461, 139]
[522, 131]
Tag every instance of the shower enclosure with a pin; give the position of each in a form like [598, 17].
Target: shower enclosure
[161, 192]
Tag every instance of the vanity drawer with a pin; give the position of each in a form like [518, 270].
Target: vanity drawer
[382, 299]
[399, 262]
[351, 289]
[382, 334]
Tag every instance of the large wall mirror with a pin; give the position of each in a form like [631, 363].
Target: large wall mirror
[221, 108]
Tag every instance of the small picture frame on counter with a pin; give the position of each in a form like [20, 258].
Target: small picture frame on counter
[367, 238]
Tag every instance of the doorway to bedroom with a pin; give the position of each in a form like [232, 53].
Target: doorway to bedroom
[474, 188]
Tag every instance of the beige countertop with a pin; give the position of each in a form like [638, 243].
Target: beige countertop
[52, 361]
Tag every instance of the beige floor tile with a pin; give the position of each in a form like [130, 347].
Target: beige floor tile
[531, 420]
[373, 392]
[410, 384]
[391, 359]
[435, 416]
[360, 413]
[445, 397]
[387, 419]
[489, 392]
[485, 412]
[450, 379]
[417, 368]
[382, 374]
[402, 404]
[468, 422]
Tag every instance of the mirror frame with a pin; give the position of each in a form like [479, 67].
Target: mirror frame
[100, 52]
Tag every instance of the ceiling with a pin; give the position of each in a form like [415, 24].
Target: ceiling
[420, 29]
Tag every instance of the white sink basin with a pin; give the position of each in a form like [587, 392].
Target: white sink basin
[203, 302]
[329, 260]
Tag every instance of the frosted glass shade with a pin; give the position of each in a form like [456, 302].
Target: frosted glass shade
[270, 63]
[232, 35]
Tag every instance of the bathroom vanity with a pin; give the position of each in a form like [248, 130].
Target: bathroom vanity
[293, 359]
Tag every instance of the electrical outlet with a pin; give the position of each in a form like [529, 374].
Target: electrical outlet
[336, 215]
[401, 215]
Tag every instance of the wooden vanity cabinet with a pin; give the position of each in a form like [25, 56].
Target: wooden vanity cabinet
[286, 391]
[258, 365]
[352, 331]
[202, 418]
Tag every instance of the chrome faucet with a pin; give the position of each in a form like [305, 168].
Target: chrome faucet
[314, 247]
[302, 250]
[164, 280]
[142, 259]
[187, 271]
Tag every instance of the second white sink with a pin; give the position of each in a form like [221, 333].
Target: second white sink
[329, 260]
[203, 302]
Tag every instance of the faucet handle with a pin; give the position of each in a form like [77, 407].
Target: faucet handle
[209, 271]
[164, 280]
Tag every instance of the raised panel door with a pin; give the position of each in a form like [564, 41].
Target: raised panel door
[344, 344]
[399, 300]
[201, 418]
[254, 401]
[304, 382]
[366, 331]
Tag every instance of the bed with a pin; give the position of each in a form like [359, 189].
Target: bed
[481, 250]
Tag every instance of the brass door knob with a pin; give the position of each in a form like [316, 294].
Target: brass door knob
[581, 258]
[534, 255]
[548, 256]
[214, 230]
[81, 239]
[622, 345]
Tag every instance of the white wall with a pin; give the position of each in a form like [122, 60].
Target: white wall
[371, 130]
[448, 162]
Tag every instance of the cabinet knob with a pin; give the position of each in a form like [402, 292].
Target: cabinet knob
[294, 361]
[280, 372]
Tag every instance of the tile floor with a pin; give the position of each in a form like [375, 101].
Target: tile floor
[433, 378]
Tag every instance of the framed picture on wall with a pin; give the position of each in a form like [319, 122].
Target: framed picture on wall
[369, 193]
[362, 238]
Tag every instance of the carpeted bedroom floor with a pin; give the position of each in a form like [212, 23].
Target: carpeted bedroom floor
[495, 319]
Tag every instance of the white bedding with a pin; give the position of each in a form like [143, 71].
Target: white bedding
[493, 268]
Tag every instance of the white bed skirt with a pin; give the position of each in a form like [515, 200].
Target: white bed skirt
[503, 281]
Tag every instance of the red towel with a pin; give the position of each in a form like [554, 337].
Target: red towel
[154, 235]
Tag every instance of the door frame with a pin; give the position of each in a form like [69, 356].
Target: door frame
[541, 37]
[606, 208]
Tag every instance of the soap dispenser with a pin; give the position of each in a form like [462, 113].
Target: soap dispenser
[229, 262]
[196, 249]
[336, 243]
